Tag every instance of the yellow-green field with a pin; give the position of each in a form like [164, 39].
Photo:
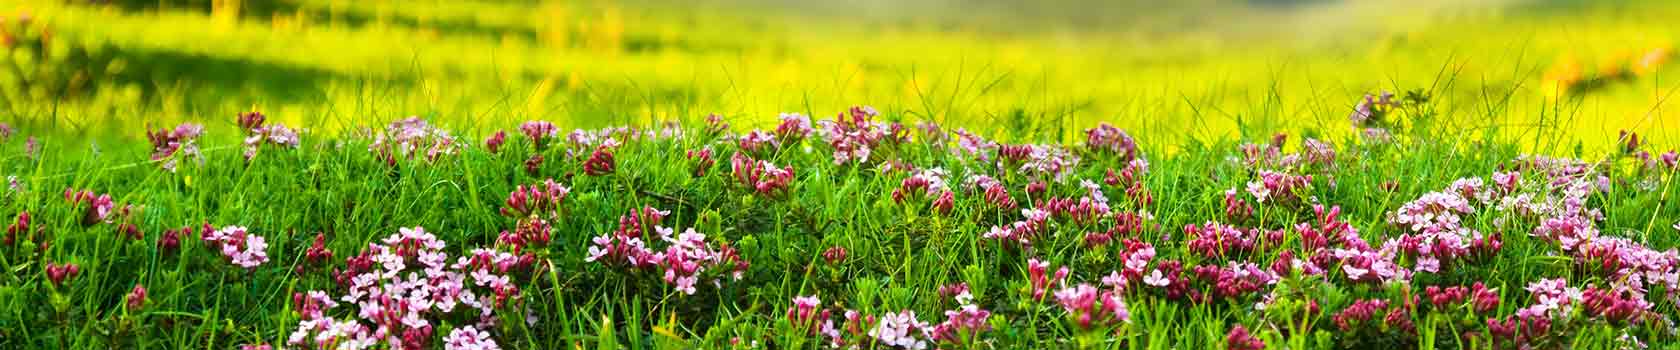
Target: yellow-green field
[1166, 72]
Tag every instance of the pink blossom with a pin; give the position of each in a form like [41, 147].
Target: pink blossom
[600, 162]
[901, 330]
[1107, 138]
[136, 297]
[761, 176]
[539, 131]
[1038, 274]
[1240, 339]
[239, 246]
[494, 143]
[469, 338]
[58, 273]
[1089, 307]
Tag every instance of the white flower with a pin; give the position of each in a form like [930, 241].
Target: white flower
[1155, 278]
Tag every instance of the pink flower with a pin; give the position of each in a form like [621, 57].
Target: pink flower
[963, 324]
[136, 298]
[273, 134]
[494, 143]
[834, 255]
[1038, 274]
[1240, 339]
[469, 338]
[761, 176]
[536, 199]
[600, 162]
[239, 246]
[166, 143]
[250, 120]
[20, 226]
[412, 137]
[702, 160]
[539, 132]
[901, 330]
[794, 127]
[1107, 138]
[1090, 307]
[58, 273]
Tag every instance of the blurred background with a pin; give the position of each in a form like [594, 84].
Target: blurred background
[1555, 74]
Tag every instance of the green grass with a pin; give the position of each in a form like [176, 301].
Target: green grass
[1232, 70]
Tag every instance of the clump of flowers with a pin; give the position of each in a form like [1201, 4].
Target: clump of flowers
[701, 161]
[469, 338]
[239, 246]
[257, 134]
[901, 330]
[1038, 273]
[539, 132]
[60, 272]
[536, 200]
[136, 298]
[411, 138]
[687, 256]
[1090, 307]
[852, 135]
[1371, 114]
[793, 128]
[1109, 139]
[923, 184]
[402, 289]
[99, 208]
[168, 143]
[761, 176]
[18, 226]
[1044, 161]
[1021, 233]
[995, 193]
[495, 141]
[600, 162]
[1240, 339]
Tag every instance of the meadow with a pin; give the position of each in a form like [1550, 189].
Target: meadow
[875, 175]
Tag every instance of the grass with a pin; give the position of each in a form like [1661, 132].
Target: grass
[1202, 95]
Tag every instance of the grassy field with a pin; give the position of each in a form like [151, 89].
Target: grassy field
[868, 174]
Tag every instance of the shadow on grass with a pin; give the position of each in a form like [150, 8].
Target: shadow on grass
[265, 10]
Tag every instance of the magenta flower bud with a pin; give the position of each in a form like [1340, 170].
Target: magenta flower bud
[58, 273]
[494, 143]
[539, 132]
[251, 120]
[834, 255]
[137, 297]
[600, 162]
[944, 203]
[534, 164]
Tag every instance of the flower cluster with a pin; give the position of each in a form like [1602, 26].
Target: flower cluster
[1089, 307]
[536, 200]
[60, 272]
[239, 246]
[852, 135]
[167, 143]
[1021, 233]
[539, 132]
[402, 289]
[761, 176]
[1107, 138]
[410, 138]
[99, 208]
[1038, 273]
[686, 258]
[257, 134]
